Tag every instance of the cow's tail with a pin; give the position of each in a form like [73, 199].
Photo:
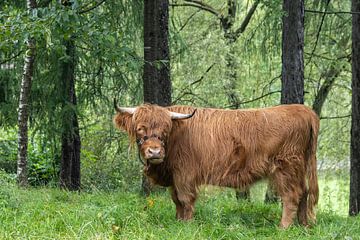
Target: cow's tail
[313, 188]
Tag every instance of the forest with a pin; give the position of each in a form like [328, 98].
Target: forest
[66, 172]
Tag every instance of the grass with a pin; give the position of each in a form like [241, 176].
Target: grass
[45, 213]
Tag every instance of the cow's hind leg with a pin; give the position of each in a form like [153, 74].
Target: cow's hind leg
[289, 183]
[302, 209]
[290, 206]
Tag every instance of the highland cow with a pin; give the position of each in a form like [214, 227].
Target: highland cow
[183, 147]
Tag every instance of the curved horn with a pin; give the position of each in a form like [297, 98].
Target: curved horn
[123, 109]
[175, 115]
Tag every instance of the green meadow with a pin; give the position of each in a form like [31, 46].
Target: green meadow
[49, 213]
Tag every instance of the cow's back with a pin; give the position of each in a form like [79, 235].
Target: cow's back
[256, 129]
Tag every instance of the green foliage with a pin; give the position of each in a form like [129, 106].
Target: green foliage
[8, 152]
[6, 178]
[42, 169]
[107, 161]
[108, 61]
[200, 44]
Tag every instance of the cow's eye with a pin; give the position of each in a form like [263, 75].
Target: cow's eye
[140, 129]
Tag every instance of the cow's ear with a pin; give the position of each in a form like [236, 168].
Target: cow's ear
[123, 121]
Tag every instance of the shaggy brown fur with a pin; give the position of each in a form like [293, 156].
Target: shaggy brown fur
[232, 148]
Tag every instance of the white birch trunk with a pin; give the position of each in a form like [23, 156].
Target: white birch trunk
[23, 113]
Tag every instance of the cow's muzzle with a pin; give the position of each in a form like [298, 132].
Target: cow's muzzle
[155, 160]
[154, 155]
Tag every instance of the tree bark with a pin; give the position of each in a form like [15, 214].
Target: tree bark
[23, 114]
[354, 206]
[156, 75]
[231, 77]
[227, 24]
[71, 142]
[292, 75]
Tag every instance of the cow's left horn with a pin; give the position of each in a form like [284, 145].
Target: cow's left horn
[123, 109]
[175, 115]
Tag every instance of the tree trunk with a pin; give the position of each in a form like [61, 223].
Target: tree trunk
[71, 143]
[156, 75]
[354, 207]
[231, 75]
[23, 114]
[227, 24]
[330, 77]
[292, 76]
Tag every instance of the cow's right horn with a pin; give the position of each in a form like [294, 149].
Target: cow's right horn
[123, 109]
[175, 115]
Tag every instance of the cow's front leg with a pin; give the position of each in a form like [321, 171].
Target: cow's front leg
[179, 206]
[187, 202]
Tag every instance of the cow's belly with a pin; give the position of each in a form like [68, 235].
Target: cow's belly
[237, 175]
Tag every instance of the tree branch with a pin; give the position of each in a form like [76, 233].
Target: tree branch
[347, 56]
[247, 18]
[325, 12]
[336, 117]
[202, 77]
[319, 30]
[200, 98]
[320, 98]
[268, 85]
[255, 99]
[11, 58]
[183, 93]
[188, 20]
[92, 7]
[204, 5]
[200, 5]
